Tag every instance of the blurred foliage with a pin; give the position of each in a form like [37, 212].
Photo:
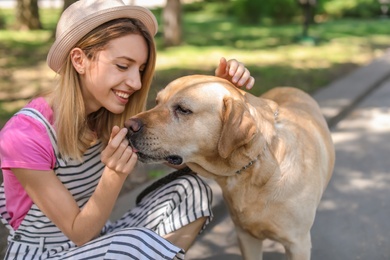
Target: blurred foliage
[350, 8]
[156, 173]
[48, 18]
[286, 11]
[249, 11]
[278, 12]
[265, 12]
[269, 49]
[2, 20]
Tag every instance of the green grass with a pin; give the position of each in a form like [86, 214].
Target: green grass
[272, 53]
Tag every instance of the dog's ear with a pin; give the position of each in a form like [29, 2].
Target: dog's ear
[238, 127]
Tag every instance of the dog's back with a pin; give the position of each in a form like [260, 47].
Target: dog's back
[300, 113]
[298, 163]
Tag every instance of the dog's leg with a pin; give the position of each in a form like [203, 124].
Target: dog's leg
[251, 247]
[300, 249]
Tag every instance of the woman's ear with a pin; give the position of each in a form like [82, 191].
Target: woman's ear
[79, 60]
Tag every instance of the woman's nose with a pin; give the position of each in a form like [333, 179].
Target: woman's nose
[133, 80]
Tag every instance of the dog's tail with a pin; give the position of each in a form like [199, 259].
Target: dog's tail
[163, 181]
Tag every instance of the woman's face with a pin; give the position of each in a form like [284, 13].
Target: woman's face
[115, 75]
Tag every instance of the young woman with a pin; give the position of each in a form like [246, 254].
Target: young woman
[65, 157]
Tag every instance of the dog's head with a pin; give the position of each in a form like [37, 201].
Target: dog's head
[198, 120]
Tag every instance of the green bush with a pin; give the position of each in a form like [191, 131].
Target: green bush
[254, 11]
[2, 22]
[284, 11]
[248, 11]
[220, 7]
[351, 8]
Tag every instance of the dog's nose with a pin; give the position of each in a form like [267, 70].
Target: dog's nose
[133, 125]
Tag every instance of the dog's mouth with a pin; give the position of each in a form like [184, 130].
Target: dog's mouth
[171, 159]
[174, 159]
[161, 157]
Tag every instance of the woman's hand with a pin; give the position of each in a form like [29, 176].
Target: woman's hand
[235, 72]
[118, 155]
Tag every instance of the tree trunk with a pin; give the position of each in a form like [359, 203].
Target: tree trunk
[172, 23]
[308, 14]
[67, 3]
[306, 20]
[27, 15]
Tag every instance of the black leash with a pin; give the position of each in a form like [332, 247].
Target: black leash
[161, 182]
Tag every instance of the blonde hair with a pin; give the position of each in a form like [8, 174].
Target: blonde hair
[76, 132]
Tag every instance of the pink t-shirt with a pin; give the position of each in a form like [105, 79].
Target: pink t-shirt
[24, 143]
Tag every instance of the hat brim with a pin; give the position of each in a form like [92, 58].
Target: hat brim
[65, 42]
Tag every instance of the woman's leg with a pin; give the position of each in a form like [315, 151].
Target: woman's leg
[165, 221]
[177, 210]
[128, 243]
[185, 236]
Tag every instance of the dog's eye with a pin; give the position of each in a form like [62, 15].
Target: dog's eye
[182, 110]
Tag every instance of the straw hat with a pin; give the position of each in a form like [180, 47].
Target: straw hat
[85, 15]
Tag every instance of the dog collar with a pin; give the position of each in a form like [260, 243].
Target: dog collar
[276, 115]
[248, 165]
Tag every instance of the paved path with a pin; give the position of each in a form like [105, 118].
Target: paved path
[353, 220]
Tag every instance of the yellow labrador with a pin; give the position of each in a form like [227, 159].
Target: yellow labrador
[272, 155]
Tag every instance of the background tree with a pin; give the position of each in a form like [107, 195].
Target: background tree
[2, 21]
[27, 15]
[255, 11]
[67, 3]
[172, 22]
[308, 15]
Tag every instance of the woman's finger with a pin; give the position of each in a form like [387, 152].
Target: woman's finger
[117, 136]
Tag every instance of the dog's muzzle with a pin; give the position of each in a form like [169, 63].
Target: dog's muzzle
[136, 128]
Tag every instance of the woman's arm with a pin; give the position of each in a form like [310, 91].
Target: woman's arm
[52, 197]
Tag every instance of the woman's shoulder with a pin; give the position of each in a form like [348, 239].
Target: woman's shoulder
[30, 127]
[25, 139]
[42, 106]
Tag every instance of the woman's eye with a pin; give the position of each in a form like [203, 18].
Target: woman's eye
[121, 67]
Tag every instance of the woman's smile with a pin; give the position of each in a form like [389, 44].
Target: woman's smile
[123, 97]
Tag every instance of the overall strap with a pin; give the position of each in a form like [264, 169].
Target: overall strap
[31, 112]
[5, 217]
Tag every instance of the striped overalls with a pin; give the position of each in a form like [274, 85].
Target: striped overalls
[137, 235]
